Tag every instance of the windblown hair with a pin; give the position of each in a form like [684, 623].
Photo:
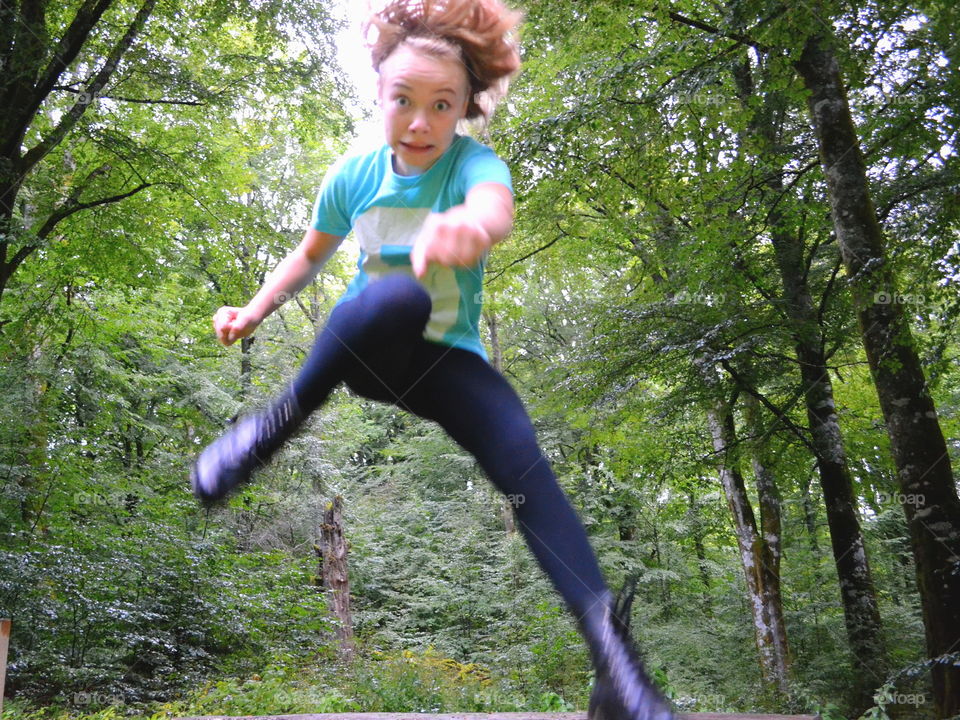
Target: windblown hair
[475, 32]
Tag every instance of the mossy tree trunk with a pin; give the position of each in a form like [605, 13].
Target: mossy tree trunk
[928, 489]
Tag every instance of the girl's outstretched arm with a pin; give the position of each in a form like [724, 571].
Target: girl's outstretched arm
[493, 204]
[463, 233]
[289, 277]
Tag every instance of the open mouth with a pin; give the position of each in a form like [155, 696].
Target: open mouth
[416, 148]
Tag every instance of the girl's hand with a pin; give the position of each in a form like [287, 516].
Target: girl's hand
[233, 323]
[452, 238]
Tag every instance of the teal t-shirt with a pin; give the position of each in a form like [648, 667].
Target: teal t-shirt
[386, 211]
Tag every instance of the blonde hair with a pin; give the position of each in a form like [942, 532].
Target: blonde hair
[474, 32]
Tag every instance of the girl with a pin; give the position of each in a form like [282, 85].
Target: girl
[426, 208]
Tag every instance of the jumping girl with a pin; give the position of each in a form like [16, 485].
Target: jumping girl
[426, 208]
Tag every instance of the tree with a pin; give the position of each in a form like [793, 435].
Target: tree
[594, 150]
[95, 75]
[925, 477]
[334, 571]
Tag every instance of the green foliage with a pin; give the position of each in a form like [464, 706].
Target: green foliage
[647, 196]
[643, 195]
[142, 618]
[401, 682]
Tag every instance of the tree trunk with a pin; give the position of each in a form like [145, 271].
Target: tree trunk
[928, 490]
[246, 366]
[335, 574]
[493, 326]
[28, 79]
[809, 514]
[755, 554]
[699, 547]
[506, 507]
[761, 566]
[768, 498]
[9, 190]
[860, 610]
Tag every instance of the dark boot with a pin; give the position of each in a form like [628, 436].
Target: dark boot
[245, 447]
[622, 690]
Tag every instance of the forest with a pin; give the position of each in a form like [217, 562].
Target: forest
[729, 303]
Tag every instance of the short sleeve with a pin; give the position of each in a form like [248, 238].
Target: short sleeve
[331, 210]
[482, 166]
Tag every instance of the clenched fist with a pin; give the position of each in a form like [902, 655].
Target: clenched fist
[233, 323]
[451, 238]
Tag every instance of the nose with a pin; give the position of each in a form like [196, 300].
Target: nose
[419, 123]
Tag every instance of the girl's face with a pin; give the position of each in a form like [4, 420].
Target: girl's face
[422, 97]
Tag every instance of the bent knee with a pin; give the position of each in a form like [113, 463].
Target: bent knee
[400, 301]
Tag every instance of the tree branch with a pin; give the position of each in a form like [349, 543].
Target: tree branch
[777, 412]
[121, 98]
[68, 48]
[70, 208]
[740, 38]
[34, 155]
[825, 298]
[26, 100]
[528, 255]
[63, 212]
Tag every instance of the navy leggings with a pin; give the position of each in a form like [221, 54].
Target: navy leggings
[375, 344]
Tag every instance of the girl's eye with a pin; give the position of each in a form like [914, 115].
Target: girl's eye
[402, 101]
[442, 105]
